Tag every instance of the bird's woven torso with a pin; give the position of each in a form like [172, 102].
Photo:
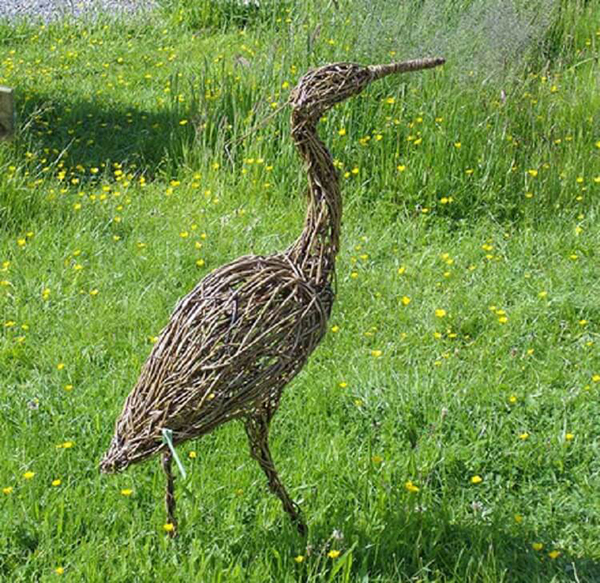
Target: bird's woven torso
[230, 347]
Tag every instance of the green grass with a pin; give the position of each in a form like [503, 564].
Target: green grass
[143, 163]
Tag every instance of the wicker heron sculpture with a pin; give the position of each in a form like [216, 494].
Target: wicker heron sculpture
[235, 341]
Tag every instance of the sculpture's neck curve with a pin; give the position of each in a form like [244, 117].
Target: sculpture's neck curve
[316, 248]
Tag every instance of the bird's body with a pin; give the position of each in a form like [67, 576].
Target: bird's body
[235, 341]
[230, 347]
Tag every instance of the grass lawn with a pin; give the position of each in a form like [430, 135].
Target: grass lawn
[446, 429]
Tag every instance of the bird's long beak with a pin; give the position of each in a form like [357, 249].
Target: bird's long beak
[379, 71]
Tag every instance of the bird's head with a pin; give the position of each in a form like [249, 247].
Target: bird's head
[322, 88]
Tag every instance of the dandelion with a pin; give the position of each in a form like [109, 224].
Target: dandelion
[537, 546]
[169, 527]
[299, 559]
[533, 173]
[401, 270]
[569, 436]
[512, 399]
[524, 435]
[476, 480]
[200, 262]
[377, 459]
[440, 313]
[342, 131]
[333, 554]
[59, 570]
[8, 490]
[411, 487]
[405, 300]
[68, 388]
[376, 353]
[596, 378]
[401, 167]
[126, 492]
[335, 329]
[192, 455]
[457, 145]
[390, 100]
[28, 475]
[343, 385]
[554, 554]
[65, 445]
[60, 366]
[518, 518]
[56, 483]
[183, 122]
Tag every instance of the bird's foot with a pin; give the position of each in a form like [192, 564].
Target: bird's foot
[301, 526]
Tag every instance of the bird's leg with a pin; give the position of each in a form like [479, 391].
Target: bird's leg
[257, 428]
[167, 460]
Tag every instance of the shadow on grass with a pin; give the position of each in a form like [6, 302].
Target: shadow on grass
[95, 134]
[412, 545]
[84, 144]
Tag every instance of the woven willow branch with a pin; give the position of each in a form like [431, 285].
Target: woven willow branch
[236, 340]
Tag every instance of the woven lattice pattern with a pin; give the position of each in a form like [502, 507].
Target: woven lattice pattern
[235, 341]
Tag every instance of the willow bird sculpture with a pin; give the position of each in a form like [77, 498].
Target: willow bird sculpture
[236, 340]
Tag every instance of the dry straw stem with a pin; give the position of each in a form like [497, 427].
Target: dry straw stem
[235, 341]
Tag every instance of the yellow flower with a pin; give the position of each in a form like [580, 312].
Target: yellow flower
[376, 353]
[335, 329]
[524, 435]
[200, 262]
[440, 313]
[8, 490]
[192, 455]
[65, 445]
[68, 387]
[299, 559]
[333, 554]
[59, 570]
[518, 518]
[569, 437]
[512, 399]
[29, 475]
[56, 482]
[405, 300]
[126, 491]
[60, 365]
[476, 480]
[183, 122]
[390, 100]
[342, 132]
[376, 459]
[596, 378]
[457, 145]
[537, 546]
[532, 173]
[343, 385]
[401, 270]
[401, 167]
[411, 487]
[554, 554]
[169, 527]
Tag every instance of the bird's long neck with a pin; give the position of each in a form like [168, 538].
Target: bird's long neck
[316, 248]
